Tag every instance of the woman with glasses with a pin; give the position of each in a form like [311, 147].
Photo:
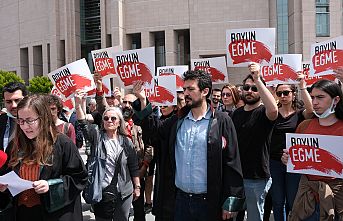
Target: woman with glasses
[230, 98]
[120, 180]
[291, 114]
[318, 197]
[43, 155]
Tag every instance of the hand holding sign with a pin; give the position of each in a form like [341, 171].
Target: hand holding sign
[255, 68]
[285, 156]
[79, 97]
[339, 73]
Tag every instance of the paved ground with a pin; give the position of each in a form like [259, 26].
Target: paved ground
[89, 216]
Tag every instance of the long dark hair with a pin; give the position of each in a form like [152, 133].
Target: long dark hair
[38, 150]
[333, 89]
[296, 104]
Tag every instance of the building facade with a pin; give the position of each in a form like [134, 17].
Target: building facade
[39, 36]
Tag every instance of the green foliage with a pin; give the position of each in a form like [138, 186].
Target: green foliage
[40, 84]
[7, 77]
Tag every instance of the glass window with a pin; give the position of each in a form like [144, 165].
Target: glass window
[160, 49]
[322, 18]
[282, 26]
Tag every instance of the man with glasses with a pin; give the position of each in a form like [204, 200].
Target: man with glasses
[254, 123]
[12, 93]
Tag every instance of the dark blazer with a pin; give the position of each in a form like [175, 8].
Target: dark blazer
[3, 122]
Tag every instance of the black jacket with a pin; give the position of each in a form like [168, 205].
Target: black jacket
[224, 173]
[68, 165]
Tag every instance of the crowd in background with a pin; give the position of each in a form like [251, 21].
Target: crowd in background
[219, 154]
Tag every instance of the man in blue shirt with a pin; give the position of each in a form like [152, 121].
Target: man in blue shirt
[202, 177]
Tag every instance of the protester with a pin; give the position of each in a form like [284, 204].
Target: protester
[320, 198]
[291, 114]
[56, 107]
[144, 153]
[12, 93]
[230, 98]
[254, 123]
[120, 183]
[202, 177]
[216, 98]
[41, 154]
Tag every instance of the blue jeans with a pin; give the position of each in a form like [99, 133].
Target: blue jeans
[283, 190]
[191, 207]
[255, 193]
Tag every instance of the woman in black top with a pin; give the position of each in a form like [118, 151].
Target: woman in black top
[285, 185]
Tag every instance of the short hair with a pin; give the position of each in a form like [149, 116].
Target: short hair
[14, 86]
[216, 89]
[204, 79]
[54, 100]
[333, 89]
[234, 92]
[249, 76]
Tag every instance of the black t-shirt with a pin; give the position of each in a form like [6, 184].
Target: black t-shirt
[97, 118]
[254, 131]
[283, 126]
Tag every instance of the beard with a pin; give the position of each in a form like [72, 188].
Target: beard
[193, 103]
[215, 100]
[252, 101]
[127, 113]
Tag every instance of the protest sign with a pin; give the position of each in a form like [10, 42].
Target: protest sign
[326, 56]
[244, 46]
[174, 70]
[306, 65]
[136, 65]
[68, 104]
[315, 154]
[103, 61]
[164, 91]
[284, 70]
[216, 67]
[71, 77]
[106, 88]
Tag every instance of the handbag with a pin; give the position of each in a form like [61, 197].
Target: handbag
[92, 193]
[54, 200]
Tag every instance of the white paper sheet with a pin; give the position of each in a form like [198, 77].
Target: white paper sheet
[15, 183]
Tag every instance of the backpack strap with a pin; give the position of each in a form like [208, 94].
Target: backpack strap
[65, 128]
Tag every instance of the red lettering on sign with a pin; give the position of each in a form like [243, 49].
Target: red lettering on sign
[159, 95]
[216, 75]
[104, 66]
[281, 72]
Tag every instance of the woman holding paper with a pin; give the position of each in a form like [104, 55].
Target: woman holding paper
[49, 159]
[318, 197]
[291, 114]
[119, 174]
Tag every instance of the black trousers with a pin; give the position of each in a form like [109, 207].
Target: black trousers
[138, 205]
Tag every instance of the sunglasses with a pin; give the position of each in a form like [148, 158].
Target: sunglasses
[247, 87]
[284, 93]
[127, 102]
[107, 118]
[226, 95]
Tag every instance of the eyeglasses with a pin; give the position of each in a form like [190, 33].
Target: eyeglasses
[226, 95]
[27, 121]
[284, 93]
[107, 118]
[247, 87]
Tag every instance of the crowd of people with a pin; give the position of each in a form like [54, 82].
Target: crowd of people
[216, 155]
